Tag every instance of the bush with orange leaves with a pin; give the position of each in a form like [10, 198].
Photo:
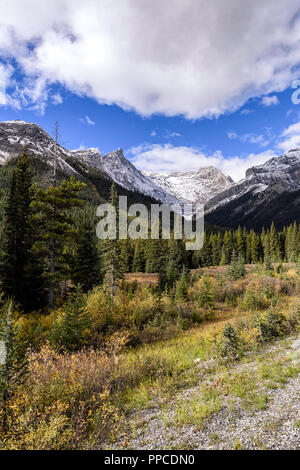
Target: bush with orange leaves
[64, 401]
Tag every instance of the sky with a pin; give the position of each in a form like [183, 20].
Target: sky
[177, 85]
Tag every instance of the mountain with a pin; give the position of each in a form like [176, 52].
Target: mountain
[269, 192]
[14, 135]
[88, 164]
[193, 186]
[123, 172]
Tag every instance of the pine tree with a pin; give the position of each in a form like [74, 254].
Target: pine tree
[73, 328]
[206, 296]
[267, 253]
[20, 273]
[236, 269]
[114, 266]
[227, 246]
[87, 261]
[240, 243]
[183, 285]
[254, 247]
[139, 257]
[52, 218]
[273, 243]
[127, 256]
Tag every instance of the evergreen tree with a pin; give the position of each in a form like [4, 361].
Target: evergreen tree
[254, 247]
[139, 257]
[73, 328]
[20, 273]
[87, 261]
[267, 253]
[236, 269]
[273, 243]
[227, 246]
[240, 243]
[114, 265]
[206, 296]
[52, 218]
[183, 285]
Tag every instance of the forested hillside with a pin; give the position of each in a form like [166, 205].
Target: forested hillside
[80, 341]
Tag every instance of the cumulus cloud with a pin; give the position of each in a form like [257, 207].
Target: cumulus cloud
[290, 137]
[189, 57]
[169, 158]
[270, 100]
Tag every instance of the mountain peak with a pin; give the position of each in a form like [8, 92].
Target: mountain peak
[196, 186]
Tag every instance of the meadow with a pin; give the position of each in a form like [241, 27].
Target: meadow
[79, 376]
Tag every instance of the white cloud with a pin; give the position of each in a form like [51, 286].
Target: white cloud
[153, 57]
[246, 111]
[168, 158]
[57, 99]
[270, 100]
[171, 135]
[290, 138]
[153, 134]
[87, 120]
[252, 138]
[232, 135]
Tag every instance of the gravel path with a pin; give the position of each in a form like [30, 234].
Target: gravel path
[233, 426]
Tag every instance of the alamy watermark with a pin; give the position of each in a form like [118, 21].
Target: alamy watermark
[161, 221]
[296, 94]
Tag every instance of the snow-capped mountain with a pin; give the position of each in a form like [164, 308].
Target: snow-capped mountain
[268, 192]
[123, 172]
[14, 135]
[193, 186]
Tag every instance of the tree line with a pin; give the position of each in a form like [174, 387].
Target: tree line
[48, 245]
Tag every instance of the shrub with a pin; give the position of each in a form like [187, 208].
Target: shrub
[206, 294]
[272, 325]
[64, 401]
[229, 345]
[253, 300]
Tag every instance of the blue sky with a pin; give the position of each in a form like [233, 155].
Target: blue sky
[221, 95]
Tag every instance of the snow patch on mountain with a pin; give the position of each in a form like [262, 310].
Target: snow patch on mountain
[196, 186]
[280, 173]
[123, 172]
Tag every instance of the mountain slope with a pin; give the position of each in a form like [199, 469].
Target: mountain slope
[193, 186]
[269, 192]
[14, 135]
[123, 172]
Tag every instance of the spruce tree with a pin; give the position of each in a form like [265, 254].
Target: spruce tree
[20, 273]
[139, 257]
[114, 265]
[267, 253]
[73, 328]
[236, 269]
[57, 235]
[86, 264]
[183, 285]
[206, 295]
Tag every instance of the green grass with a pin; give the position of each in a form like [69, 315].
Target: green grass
[195, 410]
